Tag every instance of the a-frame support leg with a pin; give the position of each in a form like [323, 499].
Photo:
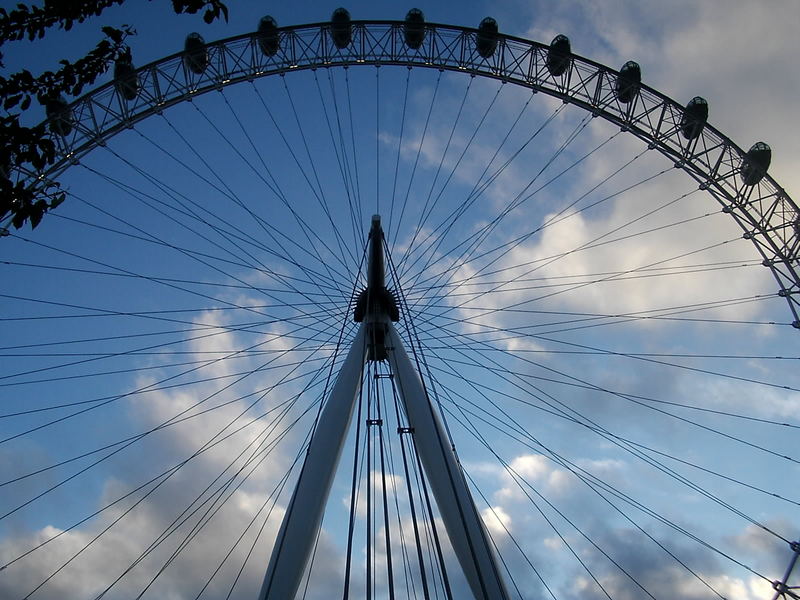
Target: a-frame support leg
[456, 507]
[304, 513]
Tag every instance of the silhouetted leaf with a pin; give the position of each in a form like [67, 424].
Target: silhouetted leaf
[11, 101]
[18, 220]
[115, 34]
[33, 147]
[36, 217]
[57, 200]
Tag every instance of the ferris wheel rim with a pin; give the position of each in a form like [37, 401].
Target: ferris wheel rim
[770, 220]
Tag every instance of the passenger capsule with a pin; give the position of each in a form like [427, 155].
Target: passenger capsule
[558, 55]
[414, 28]
[268, 39]
[195, 53]
[629, 81]
[126, 81]
[341, 31]
[755, 163]
[60, 115]
[486, 40]
[694, 118]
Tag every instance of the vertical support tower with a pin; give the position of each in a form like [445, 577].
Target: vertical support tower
[377, 340]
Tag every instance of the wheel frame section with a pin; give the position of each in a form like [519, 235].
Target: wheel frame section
[768, 216]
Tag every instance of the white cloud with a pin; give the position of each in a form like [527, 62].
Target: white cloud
[114, 550]
[530, 472]
[534, 466]
[497, 520]
[553, 543]
[736, 396]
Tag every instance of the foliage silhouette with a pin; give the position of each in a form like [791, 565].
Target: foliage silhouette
[32, 148]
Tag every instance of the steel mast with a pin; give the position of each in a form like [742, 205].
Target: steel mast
[378, 340]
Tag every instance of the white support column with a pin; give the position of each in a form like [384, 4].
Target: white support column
[304, 513]
[459, 514]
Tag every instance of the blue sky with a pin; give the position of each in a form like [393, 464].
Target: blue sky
[153, 294]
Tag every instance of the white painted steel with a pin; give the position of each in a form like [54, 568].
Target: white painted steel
[304, 513]
[459, 514]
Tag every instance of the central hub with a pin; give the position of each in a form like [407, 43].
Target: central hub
[376, 304]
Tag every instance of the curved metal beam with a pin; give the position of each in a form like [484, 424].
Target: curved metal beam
[766, 213]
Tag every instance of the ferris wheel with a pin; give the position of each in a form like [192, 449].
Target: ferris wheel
[395, 309]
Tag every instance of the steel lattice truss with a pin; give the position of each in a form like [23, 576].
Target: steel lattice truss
[768, 216]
